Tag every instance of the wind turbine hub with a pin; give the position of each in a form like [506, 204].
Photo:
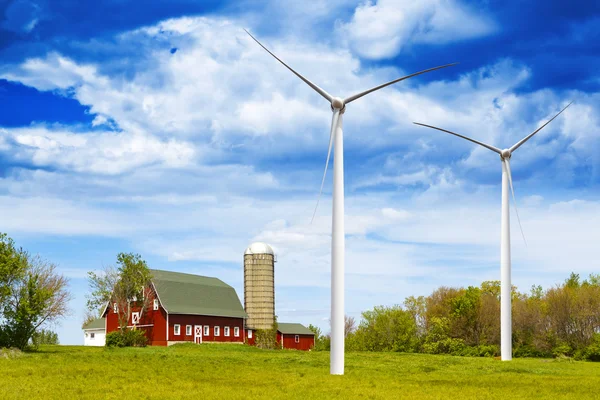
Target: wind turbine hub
[337, 103]
[505, 154]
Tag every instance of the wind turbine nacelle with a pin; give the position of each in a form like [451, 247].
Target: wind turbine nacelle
[337, 103]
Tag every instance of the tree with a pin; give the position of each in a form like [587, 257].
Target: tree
[349, 325]
[13, 264]
[388, 329]
[44, 337]
[33, 294]
[417, 307]
[124, 288]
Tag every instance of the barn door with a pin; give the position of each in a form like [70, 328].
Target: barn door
[198, 334]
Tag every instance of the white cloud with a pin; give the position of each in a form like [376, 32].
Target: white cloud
[97, 152]
[381, 29]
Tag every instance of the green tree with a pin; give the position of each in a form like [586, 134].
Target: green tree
[13, 264]
[322, 342]
[33, 294]
[44, 337]
[126, 287]
[388, 329]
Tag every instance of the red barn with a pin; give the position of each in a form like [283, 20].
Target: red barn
[289, 336]
[186, 308]
[295, 336]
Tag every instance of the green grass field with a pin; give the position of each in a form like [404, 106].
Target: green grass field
[241, 372]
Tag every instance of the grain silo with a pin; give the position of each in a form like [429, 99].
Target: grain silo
[259, 286]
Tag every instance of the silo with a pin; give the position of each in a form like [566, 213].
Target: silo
[259, 286]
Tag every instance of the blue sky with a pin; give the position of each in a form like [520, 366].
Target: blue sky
[164, 130]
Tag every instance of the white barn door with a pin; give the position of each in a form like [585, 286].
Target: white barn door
[198, 334]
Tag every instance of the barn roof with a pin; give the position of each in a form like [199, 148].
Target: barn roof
[293, 329]
[181, 293]
[97, 323]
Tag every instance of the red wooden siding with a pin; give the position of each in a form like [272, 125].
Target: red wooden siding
[289, 341]
[153, 322]
[204, 320]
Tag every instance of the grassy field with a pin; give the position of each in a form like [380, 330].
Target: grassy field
[240, 372]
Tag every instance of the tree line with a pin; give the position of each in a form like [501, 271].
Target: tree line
[563, 321]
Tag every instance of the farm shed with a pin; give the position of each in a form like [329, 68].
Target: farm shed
[94, 332]
[295, 336]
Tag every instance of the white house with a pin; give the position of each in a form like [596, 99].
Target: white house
[94, 333]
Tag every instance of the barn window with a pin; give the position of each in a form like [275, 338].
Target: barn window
[297, 338]
[226, 331]
[217, 331]
[188, 330]
[176, 330]
[249, 333]
[155, 304]
[135, 318]
[115, 308]
[206, 330]
[236, 331]
[92, 335]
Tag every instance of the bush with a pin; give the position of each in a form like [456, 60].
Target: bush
[10, 353]
[591, 352]
[127, 338]
[562, 350]
[530, 351]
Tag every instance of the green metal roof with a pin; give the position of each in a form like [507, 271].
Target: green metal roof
[98, 323]
[293, 329]
[198, 295]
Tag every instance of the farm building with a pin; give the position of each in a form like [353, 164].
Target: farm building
[191, 308]
[290, 336]
[295, 336]
[94, 333]
[186, 308]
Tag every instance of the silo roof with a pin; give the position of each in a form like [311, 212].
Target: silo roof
[259, 248]
[181, 293]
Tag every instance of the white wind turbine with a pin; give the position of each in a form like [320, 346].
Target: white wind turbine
[505, 281]
[338, 106]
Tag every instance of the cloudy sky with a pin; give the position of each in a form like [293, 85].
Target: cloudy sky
[163, 129]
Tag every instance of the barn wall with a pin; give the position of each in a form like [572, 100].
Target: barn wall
[250, 340]
[306, 342]
[204, 320]
[154, 323]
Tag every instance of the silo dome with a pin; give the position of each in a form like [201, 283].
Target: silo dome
[259, 248]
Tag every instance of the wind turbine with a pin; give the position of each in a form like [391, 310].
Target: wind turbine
[338, 106]
[505, 283]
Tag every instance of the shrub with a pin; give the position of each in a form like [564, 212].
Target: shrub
[591, 352]
[562, 350]
[10, 353]
[114, 339]
[126, 338]
[530, 351]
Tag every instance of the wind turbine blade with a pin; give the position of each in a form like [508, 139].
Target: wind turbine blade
[334, 123]
[512, 190]
[516, 146]
[487, 146]
[361, 94]
[309, 83]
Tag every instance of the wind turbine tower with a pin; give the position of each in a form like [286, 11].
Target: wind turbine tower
[505, 267]
[336, 138]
